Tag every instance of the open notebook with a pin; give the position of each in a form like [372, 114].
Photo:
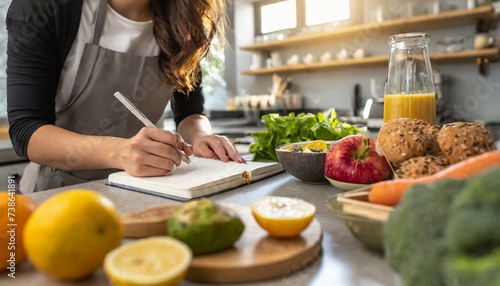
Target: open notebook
[205, 177]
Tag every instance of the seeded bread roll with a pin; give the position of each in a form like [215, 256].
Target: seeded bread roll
[462, 140]
[401, 139]
[441, 159]
[421, 166]
[430, 132]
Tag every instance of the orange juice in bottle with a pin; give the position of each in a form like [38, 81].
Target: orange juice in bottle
[422, 106]
[409, 89]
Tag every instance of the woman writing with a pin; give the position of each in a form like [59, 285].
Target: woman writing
[66, 59]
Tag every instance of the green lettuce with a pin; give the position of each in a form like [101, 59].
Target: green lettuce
[293, 128]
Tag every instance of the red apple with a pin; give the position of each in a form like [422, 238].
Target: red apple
[354, 159]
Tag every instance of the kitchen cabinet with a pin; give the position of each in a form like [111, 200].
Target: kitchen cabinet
[423, 22]
[10, 163]
[14, 170]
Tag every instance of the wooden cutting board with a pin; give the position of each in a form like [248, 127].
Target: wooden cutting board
[254, 257]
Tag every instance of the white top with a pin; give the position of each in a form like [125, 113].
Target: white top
[119, 34]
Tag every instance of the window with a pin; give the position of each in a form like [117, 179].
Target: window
[278, 16]
[214, 83]
[325, 11]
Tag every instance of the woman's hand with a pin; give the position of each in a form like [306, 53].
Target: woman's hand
[216, 147]
[152, 152]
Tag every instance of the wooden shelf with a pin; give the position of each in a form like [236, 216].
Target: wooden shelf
[491, 54]
[420, 23]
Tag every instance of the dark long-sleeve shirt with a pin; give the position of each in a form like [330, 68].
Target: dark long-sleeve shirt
[40, 36]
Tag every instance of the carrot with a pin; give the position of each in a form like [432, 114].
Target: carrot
[389, 193]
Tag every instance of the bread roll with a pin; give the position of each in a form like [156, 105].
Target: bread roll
[402, 139]
[461, 140]
[421, 166]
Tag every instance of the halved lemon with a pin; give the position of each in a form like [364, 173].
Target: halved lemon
[160, 260]
[316, 145]
[282, 216]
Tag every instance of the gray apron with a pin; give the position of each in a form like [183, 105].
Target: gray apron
[91, 108]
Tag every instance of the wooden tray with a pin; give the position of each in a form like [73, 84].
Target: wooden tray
[254, 257]
[364, 219]
[356, 203]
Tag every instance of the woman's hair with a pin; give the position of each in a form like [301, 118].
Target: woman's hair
[184, 30]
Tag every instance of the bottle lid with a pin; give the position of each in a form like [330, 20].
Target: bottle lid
[410, 39]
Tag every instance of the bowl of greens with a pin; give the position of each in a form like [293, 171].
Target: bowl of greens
[292, 128]
[305, 160]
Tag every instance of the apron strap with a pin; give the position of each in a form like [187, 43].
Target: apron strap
[99, 23]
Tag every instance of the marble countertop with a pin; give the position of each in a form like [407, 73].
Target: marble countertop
[343, 260]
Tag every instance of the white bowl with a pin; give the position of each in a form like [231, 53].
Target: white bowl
[345, 186]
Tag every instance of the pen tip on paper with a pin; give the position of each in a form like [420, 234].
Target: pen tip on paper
[192, 166]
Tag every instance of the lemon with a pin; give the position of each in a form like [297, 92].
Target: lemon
[160, 260]
[316, 146]
[283, 216]
[69, 234]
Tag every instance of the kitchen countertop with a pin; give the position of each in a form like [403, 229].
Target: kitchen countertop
[7, 153]
[343, 261]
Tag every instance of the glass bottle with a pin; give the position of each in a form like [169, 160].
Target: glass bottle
[409, 89]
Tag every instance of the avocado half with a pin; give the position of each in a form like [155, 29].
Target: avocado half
[205, 226]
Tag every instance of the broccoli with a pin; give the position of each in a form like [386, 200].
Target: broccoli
[472, 234]
[447, 233]
[414, 233]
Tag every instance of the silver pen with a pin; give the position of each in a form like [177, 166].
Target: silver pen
[135, 111]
